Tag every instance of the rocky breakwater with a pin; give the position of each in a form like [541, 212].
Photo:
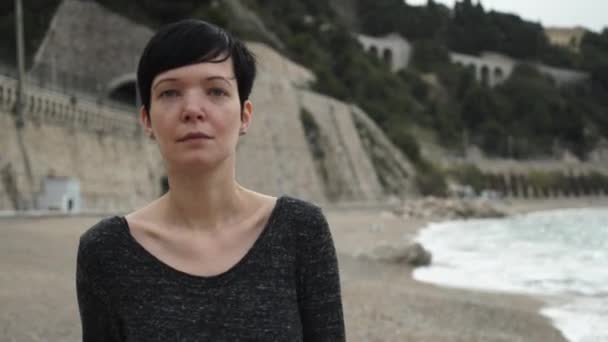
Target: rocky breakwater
[440, 209]
[426, 210]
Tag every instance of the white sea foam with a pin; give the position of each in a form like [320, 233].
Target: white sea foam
[559, 254]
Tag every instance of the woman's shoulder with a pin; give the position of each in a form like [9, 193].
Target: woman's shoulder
[103, 234]
[101, 254]
[300, 209]
[305, 216]
[308, 224]
[288, 207]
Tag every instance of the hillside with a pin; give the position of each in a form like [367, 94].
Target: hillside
[528, 116]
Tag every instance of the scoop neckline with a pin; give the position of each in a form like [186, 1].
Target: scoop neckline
[213, 279]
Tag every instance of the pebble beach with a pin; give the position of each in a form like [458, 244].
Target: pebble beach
[382, 301]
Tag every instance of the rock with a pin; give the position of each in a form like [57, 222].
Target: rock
[418, 256]
[413, 254]
[437, 208]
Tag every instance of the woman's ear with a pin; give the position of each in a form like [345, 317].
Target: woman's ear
[144, 118]
[246, 116]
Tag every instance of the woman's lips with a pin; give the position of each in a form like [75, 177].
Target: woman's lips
[194, 135]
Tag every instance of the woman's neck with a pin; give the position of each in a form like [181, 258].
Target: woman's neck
[204, 201]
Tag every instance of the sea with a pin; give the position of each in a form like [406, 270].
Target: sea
[560, 256]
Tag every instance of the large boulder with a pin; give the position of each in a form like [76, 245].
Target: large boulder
[413, 254]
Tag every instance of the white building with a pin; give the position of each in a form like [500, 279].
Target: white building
[492, 68]
[60, 194]
[391, 48]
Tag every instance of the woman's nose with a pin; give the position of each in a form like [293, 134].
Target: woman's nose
[193, 108]
[190, 115]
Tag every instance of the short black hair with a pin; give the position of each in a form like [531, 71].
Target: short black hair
[189, 42]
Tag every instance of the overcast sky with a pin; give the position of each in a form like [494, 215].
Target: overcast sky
[591, 14]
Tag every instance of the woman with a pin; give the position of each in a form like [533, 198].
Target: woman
[209, 260]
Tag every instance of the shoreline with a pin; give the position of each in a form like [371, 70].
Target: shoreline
[532, 206]
[402, 306]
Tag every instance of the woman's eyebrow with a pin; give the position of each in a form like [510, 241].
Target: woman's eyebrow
[210, 78]
[222, 78]
[163, 80]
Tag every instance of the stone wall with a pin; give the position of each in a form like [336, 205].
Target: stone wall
[563, 76]
[493, 68]
[392, 48]
[394, 172]
[68, 137]
[272, 65]
[274, 157]
[277, 144]
[490, 67]
[500, 165]
[88, 46]
[357, 179]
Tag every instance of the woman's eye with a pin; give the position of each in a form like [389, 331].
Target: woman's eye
[217, 92]
[169, 93]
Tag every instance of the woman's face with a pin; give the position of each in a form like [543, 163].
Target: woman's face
[195, 114]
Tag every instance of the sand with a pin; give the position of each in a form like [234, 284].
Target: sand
[382, 302]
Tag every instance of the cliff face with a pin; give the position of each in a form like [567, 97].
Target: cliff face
[102, 148]
[333, 164]
[89, 45]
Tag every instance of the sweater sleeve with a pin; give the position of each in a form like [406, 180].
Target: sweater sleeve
[319, 296]
[98, 321]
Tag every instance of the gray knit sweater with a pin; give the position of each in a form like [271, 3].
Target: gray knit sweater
[286, 288]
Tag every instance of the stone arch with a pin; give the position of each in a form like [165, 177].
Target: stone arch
[498, 74]
[387, 56]
[485, 75]
[374, 50]
[123, 89]
[470, 67]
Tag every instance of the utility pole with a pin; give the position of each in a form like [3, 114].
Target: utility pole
[20, 64]
[25, 203]
[465, 143]
[510, 146]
